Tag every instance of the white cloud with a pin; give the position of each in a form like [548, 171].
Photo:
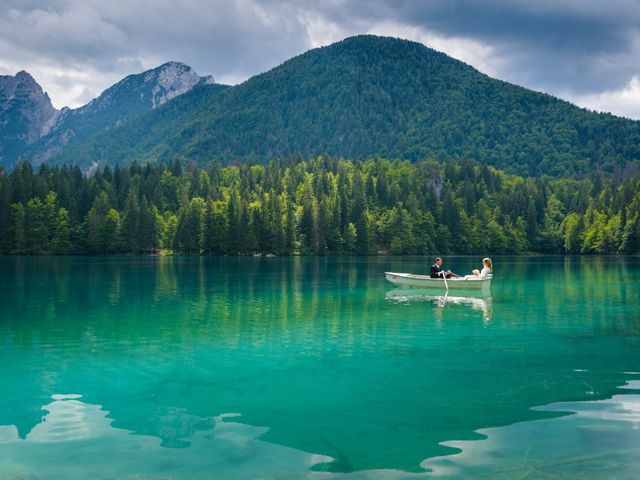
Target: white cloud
[67, 87]
[624, 102]
[230, 79]
[72, 52]
[322, 31]
[475, 53]
[73, 33]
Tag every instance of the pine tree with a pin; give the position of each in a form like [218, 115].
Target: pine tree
[171, 226]
[36, 231]
[382, 189]
[216, 241]
[190, 230]
[130, 224]
[95, 223]
[149, 228]
[19, 229]
[289, 243]
[61, 238]
[362, 239]
[5, 214]
[110, 232]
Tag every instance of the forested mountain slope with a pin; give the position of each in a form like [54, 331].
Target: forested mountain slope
[370, 96]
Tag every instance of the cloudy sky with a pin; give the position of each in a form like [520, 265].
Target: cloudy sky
[586, 51]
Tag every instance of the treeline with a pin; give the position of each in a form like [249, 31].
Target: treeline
[319, 206]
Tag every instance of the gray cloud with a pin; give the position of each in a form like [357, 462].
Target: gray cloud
[586, 51]
[90, 44]
[587, 46]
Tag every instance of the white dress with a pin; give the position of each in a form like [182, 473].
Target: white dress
[483, 274]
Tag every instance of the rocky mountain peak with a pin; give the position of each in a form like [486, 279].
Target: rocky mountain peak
[172, 64]
[132, 96]
[26, 112]
[22, 82]
[25, 76]
[171, 79]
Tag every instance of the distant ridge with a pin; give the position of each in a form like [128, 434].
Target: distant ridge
[47, 130]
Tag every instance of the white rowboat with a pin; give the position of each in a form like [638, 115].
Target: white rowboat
[468, 282]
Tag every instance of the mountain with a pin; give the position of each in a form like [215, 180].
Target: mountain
[145, 137]
[374, 96]
[131, 97]
[51, 130]
[26, 114]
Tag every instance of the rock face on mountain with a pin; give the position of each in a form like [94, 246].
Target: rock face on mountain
[127, 99]
[31, 128]
[26, 114]
[142, 91]
[170, 80]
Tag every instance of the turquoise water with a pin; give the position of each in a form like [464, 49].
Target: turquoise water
[317, 368]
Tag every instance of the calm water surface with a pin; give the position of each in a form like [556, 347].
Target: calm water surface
[307, 368]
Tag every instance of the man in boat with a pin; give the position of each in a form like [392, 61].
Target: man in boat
[437, 272]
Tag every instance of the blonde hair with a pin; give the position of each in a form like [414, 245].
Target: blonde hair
[487, 262]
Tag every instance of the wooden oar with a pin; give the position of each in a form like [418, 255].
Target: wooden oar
[444, 276]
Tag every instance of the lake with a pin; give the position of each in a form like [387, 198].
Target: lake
[317, 368]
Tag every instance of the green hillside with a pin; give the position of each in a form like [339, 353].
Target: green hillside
[373, 96]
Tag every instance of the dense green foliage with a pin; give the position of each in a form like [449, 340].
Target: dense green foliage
[373, 96]
[319, 206]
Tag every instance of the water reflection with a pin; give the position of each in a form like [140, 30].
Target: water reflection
[482, 303]
[59, 289]
[312, 351]
[229, 448]
[598, 439]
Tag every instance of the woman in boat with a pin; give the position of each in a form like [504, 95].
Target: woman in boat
[487, 267]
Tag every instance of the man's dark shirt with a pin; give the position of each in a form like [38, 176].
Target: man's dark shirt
[435, 271]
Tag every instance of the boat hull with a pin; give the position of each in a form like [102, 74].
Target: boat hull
[423, 281]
